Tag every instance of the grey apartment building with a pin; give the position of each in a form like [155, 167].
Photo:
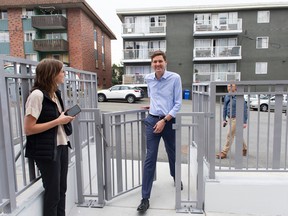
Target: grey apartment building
[208, 43]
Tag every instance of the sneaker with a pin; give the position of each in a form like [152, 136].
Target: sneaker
[244, 152]
[144, 205]
[221, 155]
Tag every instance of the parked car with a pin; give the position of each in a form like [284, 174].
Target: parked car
[10, 69]
[129, 93]
[254, 97]
[264, 104]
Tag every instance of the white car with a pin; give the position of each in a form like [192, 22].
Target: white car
[254, 97]
[265, 105]
[129, 93]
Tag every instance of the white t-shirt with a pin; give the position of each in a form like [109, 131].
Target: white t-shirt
[34, 107]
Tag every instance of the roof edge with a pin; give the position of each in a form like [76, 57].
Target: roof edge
[197, 7]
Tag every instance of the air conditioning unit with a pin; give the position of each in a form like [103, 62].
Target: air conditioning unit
[24, 16]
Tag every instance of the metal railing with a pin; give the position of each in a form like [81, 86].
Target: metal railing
[140, 54]
[217, 27]
[49, 21]
[217, 53]
[48, 45]
[17, 172]
[216, 76]
[144, 28]
[133, 79]
[266, 134]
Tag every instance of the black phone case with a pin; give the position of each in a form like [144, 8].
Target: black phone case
[73, 111]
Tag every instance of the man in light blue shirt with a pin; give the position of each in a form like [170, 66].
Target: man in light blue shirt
[165, 92]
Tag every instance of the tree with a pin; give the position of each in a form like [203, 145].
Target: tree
[117, 73]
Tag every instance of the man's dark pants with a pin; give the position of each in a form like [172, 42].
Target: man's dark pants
[152, 145]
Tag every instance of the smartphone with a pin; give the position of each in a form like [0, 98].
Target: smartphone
[73, 111]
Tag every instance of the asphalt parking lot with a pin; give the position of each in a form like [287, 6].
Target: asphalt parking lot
[258, 134]
[112, 106]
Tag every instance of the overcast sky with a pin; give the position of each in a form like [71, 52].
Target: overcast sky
[107, 11]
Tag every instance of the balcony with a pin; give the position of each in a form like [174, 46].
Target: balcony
[133, 30]
[217, 27]
[44, 22]
[50, 45]
[216, 76]
[217, 53]
[138, 55]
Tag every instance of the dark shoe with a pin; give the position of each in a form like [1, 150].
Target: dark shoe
[181, 184]
[144, 205]
[244, 152]
[221, 155]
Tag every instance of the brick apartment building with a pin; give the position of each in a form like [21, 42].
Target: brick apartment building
[68, 30]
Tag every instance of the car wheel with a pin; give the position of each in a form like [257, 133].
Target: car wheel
[264, 107]
[101, 98]
[130, 99]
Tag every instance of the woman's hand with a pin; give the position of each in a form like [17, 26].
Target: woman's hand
[64, 119]
[32, 127]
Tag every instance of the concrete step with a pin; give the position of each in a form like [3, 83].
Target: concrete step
[264, 194]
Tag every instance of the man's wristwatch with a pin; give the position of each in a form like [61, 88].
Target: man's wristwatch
[165, 120]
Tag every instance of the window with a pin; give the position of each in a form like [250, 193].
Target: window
[261, 68]
[157, 21]
[4, 37]
[29, 36]
[29, 12]
[96, 49]
[56, 56]
[3, 14]
[32, 57]
[262, 42]
[162, 20]
[103, 52]
[152, 21]
[56, 36]
[204, 19]
[263, 17]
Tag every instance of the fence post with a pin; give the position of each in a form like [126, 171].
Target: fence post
[7, 165]
[177, 128]
[107, 156]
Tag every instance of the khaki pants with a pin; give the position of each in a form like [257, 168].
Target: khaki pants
[231, 135]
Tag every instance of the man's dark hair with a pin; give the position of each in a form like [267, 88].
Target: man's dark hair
[158, 53]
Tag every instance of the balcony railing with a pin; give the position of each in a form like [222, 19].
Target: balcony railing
[217, 53]
[146, 28]
[133, 79]
[50, 45]
[49, 22]
[138, 54]
[216, 76]
[217, 27]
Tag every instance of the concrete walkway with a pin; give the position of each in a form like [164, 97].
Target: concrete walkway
[162, 202]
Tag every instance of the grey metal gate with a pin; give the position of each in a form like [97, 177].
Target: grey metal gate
[124, 151]
[191, 130]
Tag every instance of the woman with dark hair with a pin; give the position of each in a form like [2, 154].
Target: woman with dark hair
[47, 129]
